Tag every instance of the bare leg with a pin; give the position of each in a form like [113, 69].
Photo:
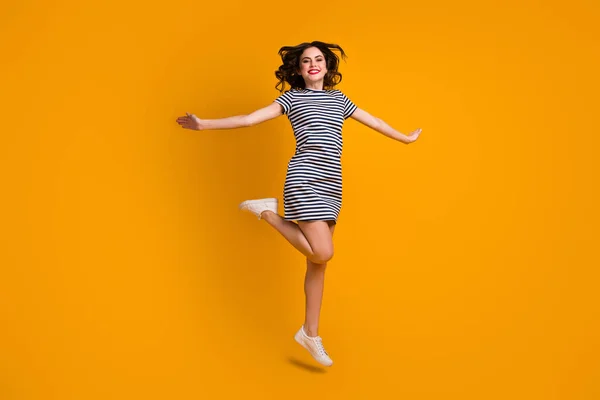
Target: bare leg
[312, 239]
[313, 289]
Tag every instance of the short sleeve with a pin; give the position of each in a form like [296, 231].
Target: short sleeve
[286, 101]
[349, 107]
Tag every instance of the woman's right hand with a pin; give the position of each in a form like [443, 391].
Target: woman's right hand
[190, 121]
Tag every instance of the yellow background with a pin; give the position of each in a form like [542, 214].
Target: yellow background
[464, 266]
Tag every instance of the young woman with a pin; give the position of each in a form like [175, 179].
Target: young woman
[312, 194]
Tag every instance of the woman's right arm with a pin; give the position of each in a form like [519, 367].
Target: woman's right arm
[190, 121]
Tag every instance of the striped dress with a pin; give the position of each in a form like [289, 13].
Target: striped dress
[313, 184]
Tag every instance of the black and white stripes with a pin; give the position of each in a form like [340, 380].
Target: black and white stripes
[313, 185]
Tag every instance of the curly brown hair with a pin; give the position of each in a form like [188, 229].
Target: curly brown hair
[290, 56]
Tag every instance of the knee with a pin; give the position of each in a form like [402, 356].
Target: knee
[322, 256]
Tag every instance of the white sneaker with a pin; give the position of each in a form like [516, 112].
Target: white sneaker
[314, 345]
[257, 207]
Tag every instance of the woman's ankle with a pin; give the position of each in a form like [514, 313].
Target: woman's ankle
[310, 332]
[267, 214]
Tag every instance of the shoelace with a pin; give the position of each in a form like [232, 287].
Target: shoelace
[319, 342]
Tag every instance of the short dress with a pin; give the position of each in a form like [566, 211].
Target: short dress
[313, 183]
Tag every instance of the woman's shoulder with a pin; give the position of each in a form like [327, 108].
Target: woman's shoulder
[292, 91]
[337, 93]
[289, 93]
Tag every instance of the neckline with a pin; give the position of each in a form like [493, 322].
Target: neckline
[315, 90]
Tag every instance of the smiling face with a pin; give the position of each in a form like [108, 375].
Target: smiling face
[313, 67]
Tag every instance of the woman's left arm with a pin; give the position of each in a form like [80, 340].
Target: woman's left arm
[380, 126]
